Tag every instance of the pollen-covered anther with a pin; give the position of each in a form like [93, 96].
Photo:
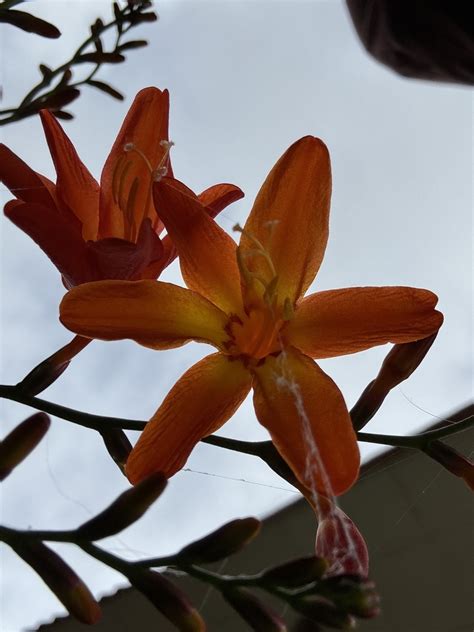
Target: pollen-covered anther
[159, 173]
[166, 144]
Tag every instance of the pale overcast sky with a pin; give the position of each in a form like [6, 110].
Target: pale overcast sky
[246, 80]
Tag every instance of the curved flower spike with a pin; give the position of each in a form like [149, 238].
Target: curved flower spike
[108, 231]
[246, 301]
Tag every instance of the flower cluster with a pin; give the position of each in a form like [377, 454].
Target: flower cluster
[247, 300]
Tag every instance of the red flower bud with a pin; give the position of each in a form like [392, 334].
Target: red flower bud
[21, 441]
[221, 543]
[340, 542]
[452, 460]
[253, 611]
[125, 510]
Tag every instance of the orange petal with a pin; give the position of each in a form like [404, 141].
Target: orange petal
[338, 322]
[44, 224]
[75, 186]
[307, 418]
[23, 181]
[219, 196]
[202, 400]
[290, 217]
[154, 314]
[145, 126]
[207, 253]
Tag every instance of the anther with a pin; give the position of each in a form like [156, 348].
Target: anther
[167, 144]
[159, 173]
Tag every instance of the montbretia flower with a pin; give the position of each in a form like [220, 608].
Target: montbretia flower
[247, 301]
[93, 232]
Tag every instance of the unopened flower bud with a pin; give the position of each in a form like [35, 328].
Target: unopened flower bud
[352, 594]
[340, 542]
[221, 543]
[61, 579]
[399, 364]
[21, 441]
[118, 446]
[403, 359]
[168, 599]
[296, 573]
[259, 617]
[125, 510]
[323, 611]
[48, 371]
[452, 460]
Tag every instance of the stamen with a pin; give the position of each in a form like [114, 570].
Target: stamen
[131, 147]
[159, 173]
[260, 250]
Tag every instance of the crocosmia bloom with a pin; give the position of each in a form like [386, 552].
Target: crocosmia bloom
[247, 301]
[108, 231]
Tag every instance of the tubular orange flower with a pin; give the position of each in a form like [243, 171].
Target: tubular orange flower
[111, 231]
[247, 301]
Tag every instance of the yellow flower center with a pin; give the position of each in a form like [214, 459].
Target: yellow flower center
[125, 186]
[257, 333]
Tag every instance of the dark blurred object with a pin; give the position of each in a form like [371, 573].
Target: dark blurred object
[423, 39]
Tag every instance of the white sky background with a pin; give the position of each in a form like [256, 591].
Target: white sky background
[246, 80]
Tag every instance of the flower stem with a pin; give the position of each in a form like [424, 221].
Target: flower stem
[99, 422]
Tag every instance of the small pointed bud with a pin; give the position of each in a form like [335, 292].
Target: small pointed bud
[221, 543]
[42, 376]
[118, 446]
[125, 510]
[258, 616]
[168, 599]
[352, 594]
[403, 359]
[399, 364]
[50, 369]
[21, 441]
[60, 578]
[296, 573]
[323, 611]
[340, 542]
[452, 460]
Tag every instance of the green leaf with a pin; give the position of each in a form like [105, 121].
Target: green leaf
[100, 58]
[64, 116]
[63, 97]
[45, 71]
[29, 23]
[100, 85]
[133, 44]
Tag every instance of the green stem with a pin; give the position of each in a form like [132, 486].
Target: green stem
[7, 534]
[99, 422]
[88, 420]
[22, 110]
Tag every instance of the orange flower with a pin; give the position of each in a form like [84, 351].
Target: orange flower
[247, 302]
[93, 232]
